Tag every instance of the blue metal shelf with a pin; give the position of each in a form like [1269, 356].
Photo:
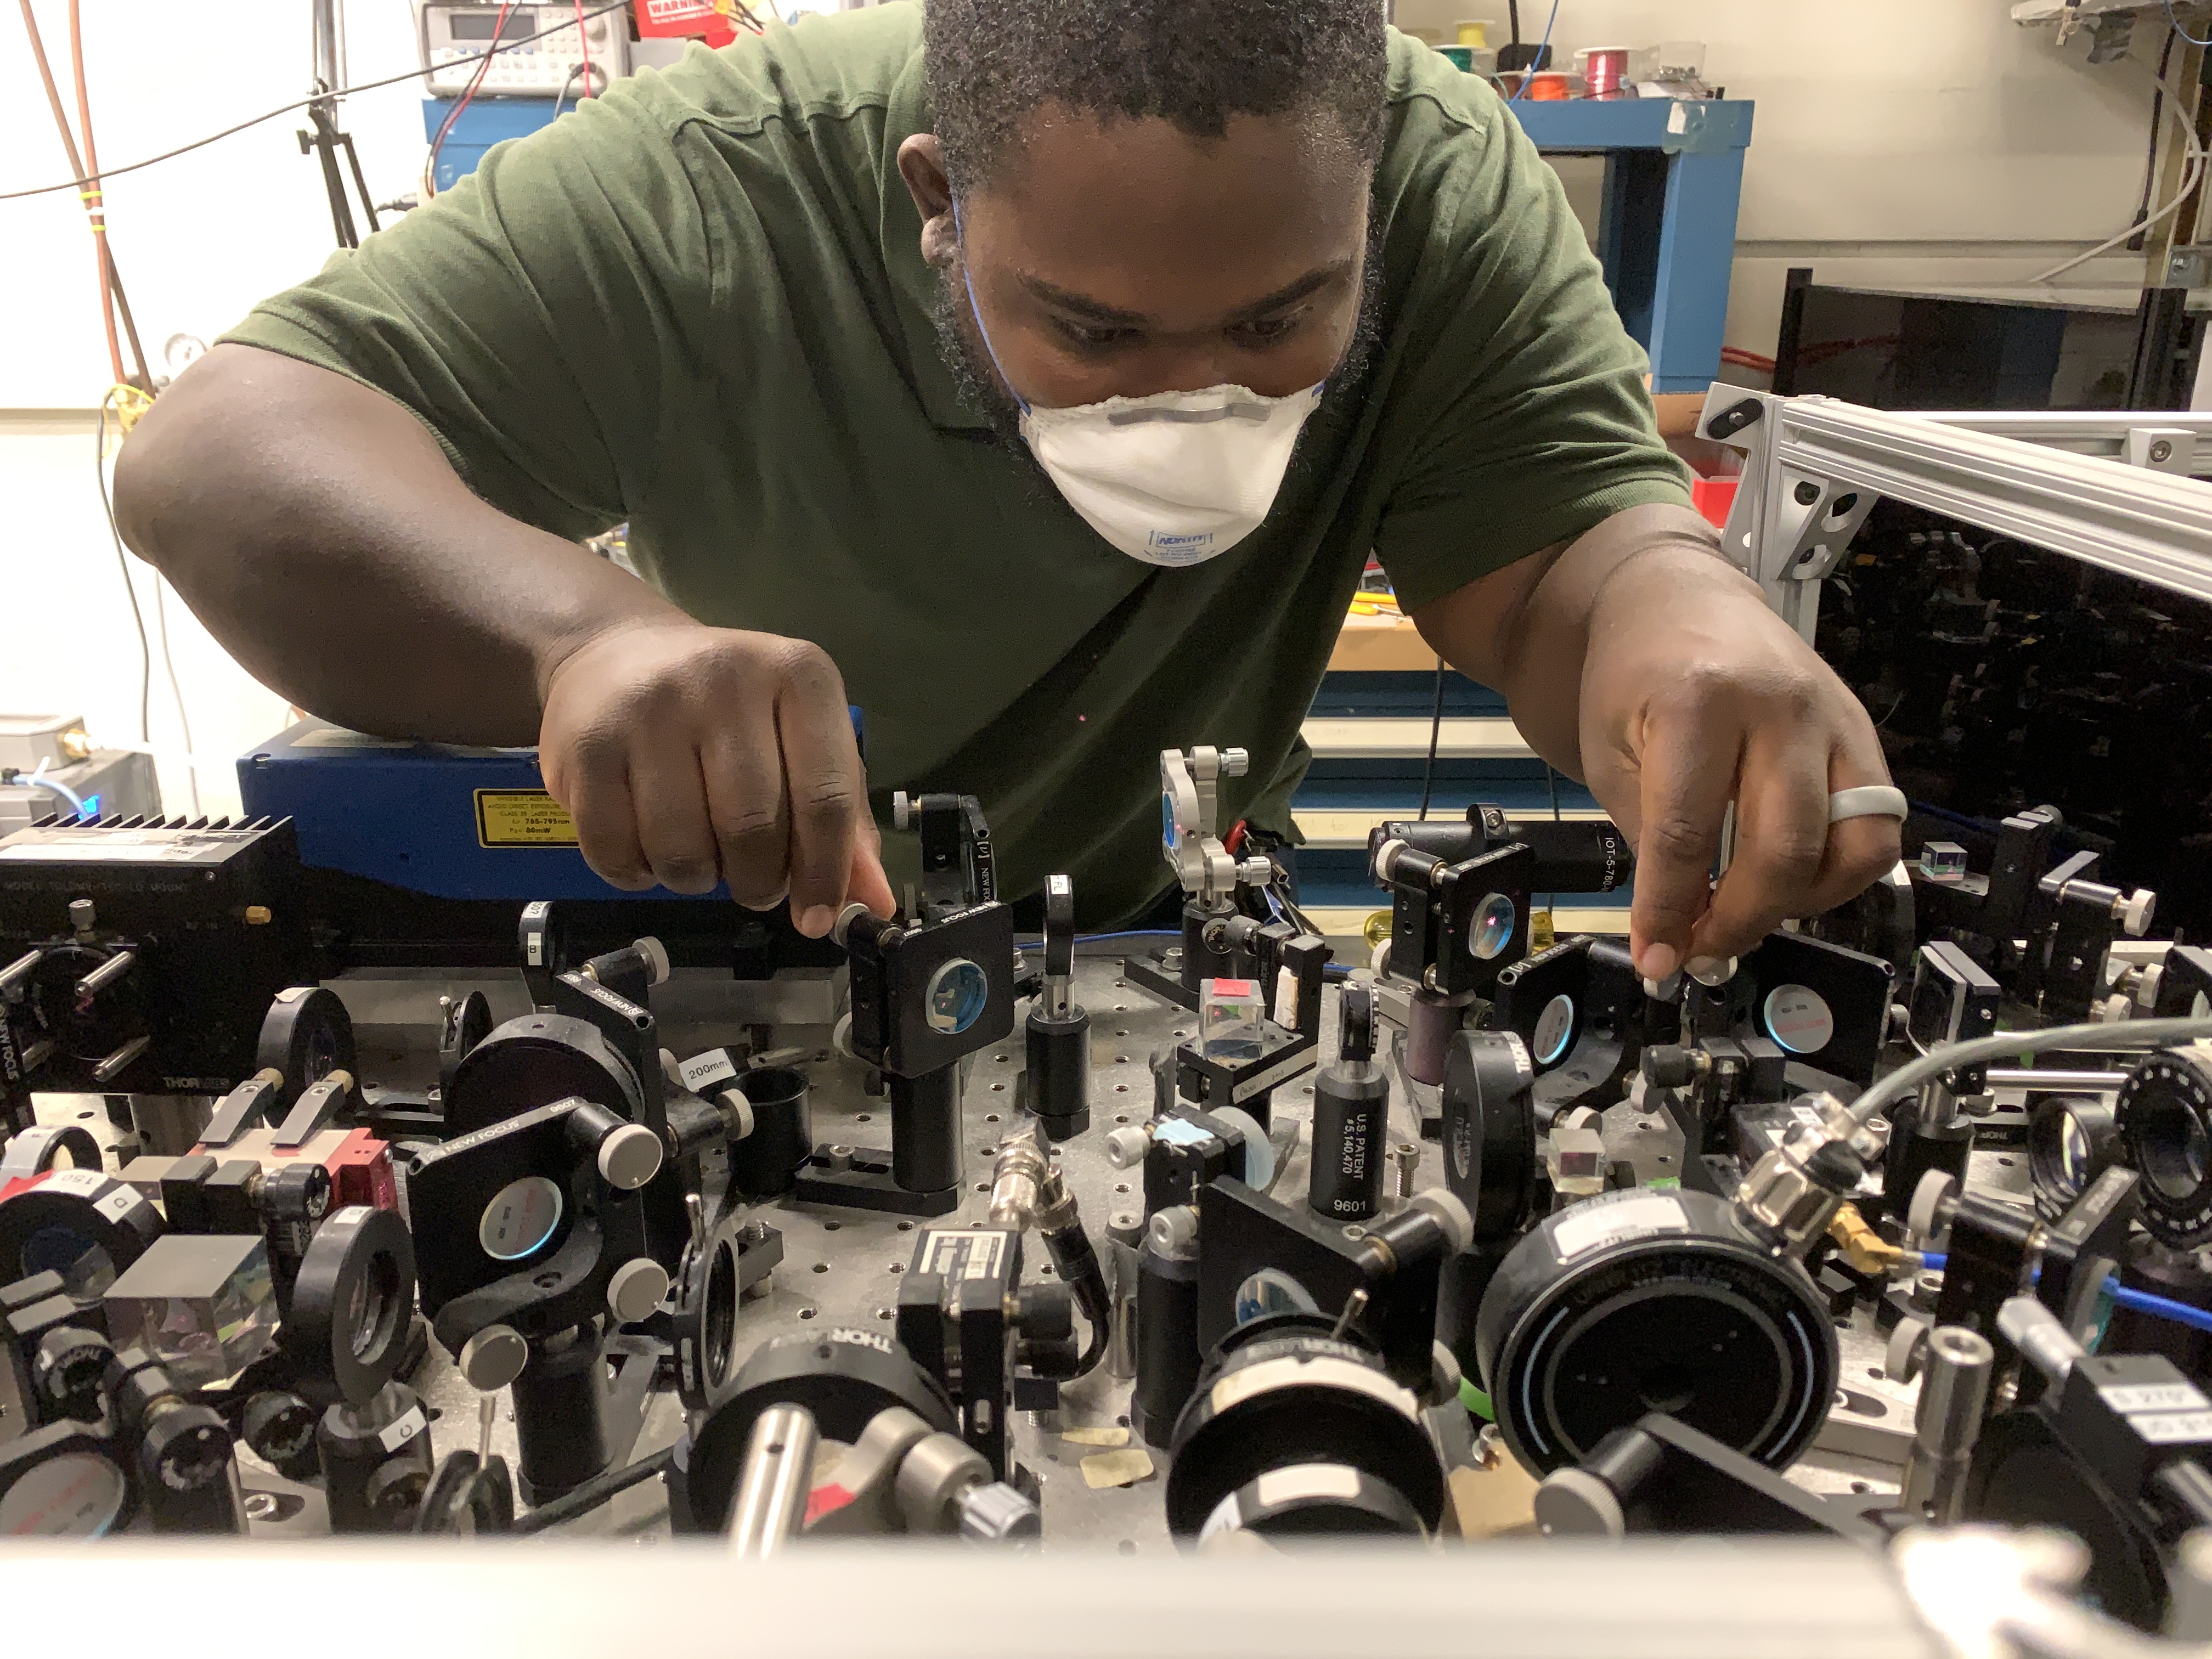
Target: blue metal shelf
[485, 121]
[1666, 232]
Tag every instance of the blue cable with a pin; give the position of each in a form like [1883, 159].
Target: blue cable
[61, 789]
[1137, 932]
[2181, 30]
[2160, 1307]
[1544, 52]
[2142, 1302]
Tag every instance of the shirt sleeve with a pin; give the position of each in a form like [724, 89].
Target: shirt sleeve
[522, 314]
[1521, 411]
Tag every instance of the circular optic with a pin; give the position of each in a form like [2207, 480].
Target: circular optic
[956, 995]
[373, 1308]
[2164, 1112]
[85, 1266]
[2070, 1143]
[1271, 1291]
[1639, 1302]
[77, 1495]
[2175, 1161]
[721, 1313]
[520, 1219]
[1799, 1018]
[1492, 930]
[1555, 1026]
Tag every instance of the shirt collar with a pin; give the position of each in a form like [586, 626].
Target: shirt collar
[914, 284]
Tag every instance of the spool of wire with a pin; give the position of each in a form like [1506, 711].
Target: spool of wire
[1604, 69]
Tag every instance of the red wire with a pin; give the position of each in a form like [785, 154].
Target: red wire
[1746, 359]
[483, 68]
[1234, 839]
[584, 40]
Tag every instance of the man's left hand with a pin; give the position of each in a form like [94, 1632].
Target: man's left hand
[1639, 661]
[1695, 695]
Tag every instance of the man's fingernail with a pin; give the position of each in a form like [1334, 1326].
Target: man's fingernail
[1710, 970]
[816, 920]
[1657, 961]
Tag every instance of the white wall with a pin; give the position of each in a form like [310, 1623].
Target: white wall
[66, 642]
[1920, 143]
[1898, 142]
[198, 240]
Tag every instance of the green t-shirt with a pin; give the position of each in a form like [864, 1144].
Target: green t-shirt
[699, 304]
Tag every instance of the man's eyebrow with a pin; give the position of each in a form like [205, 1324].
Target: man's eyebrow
[1098, 312]
[1067, 300]
[1291, 293]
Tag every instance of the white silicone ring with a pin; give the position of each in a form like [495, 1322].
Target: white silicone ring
[1869, 800]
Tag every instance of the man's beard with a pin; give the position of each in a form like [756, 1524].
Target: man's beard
[979, 387]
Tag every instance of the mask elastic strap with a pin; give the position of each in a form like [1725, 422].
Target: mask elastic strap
[976, 311]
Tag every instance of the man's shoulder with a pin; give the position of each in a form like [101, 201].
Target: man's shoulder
[1439, 115]
[828, 64]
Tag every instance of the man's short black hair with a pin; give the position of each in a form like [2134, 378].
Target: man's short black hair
[1196, 63]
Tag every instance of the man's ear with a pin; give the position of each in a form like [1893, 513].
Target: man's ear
[921, 164]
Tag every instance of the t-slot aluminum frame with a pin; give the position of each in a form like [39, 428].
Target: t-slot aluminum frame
[2112, 489]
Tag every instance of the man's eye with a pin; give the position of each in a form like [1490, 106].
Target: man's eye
[1093, 337]
[1263, 331]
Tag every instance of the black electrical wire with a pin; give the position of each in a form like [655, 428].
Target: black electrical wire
[123, 564]
[595, 1491]
[1077, 1263]
[2150, 160]
[1551, 783]
[1436, 729]
[1303, 923]
[468, 96]
[302, 103]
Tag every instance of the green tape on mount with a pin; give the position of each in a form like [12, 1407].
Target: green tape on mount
[1476, 1402]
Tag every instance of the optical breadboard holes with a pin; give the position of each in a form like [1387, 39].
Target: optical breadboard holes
[1799, 1018]
[522, 818]
[520, 1219]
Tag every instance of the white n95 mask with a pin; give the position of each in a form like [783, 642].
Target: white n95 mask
[1173, 479]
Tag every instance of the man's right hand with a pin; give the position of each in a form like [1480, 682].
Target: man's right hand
[323, 536]
[689, 754]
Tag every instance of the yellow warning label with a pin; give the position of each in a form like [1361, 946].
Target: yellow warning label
[522, 818]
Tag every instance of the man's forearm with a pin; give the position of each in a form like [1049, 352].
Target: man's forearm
[1527, 631]
[318, 530]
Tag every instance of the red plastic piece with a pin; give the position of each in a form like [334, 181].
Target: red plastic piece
[361, 1173]
[1714, 497]
[696, 18]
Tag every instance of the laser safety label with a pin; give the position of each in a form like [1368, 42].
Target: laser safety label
[522, 818]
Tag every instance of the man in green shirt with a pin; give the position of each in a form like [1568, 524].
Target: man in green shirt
[1037, 374]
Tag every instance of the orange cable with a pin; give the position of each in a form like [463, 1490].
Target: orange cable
[114, 281]
[93, 201]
